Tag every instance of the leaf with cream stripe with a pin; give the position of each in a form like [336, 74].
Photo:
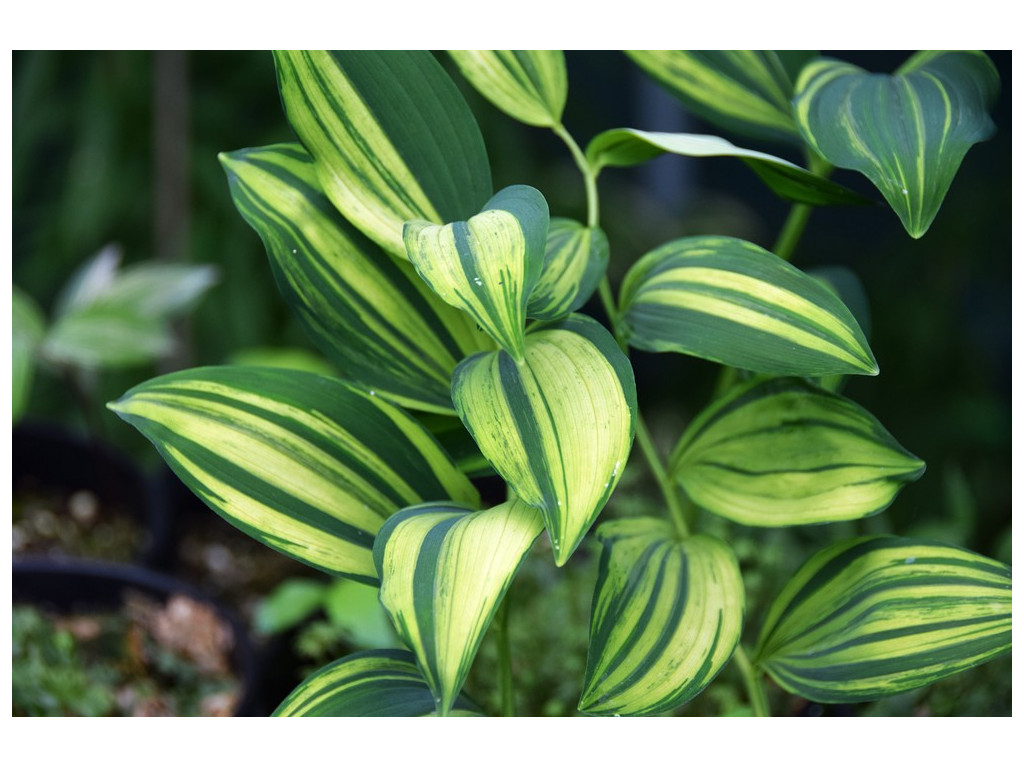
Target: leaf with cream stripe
[730, 301]
[666, 617]
[531, 86]
[557, 426]
[785, 452]
[444, 570]
[908, 132]
[310, 466]
[382, 683]
[391, 136]
[369, 313]
[876, 616]
[575, 260]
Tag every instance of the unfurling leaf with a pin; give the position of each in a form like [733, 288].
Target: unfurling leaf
[728, 300]
[444, 570]
[907, 132]
[575, 260]
[557, 426]
[531, 86]
[488, 265]
[876, 616]
[391, 137]
[308, 465]
[784, 452]
[666, 617]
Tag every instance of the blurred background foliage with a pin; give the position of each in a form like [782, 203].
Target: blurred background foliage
[122, 147]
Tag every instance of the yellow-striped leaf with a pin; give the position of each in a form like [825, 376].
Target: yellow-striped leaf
[367, 684]
[744, 91]
[370, 314]
[730, 301]
[627, 146]
[785, 452]
[557, 426]
[666, 617]
[444, 570]
[488, 265]
[310, 466]
[531, 86]
[908, 132]
[875, 616]
[391, 136]
[575, 260]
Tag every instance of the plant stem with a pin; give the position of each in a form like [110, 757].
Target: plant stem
[791, 231]
[508, 705]
[668, 489]
[752, 678]
[589, 178]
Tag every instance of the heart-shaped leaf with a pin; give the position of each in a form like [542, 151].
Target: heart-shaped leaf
[875, 616]
[666, 618]
[728, 300]
[744, 91]
[575, 260]
[308, 465]
[391, 137]
[908, 132]
[444, 570]
[369, 313]
[367, 684]
[489, 265]
[531, 86]
[785, 452]
[627, 146]
[557, 426]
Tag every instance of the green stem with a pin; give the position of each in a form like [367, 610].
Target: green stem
[792, 230]
[508, 705]
[752, 678]
[589, 177]
[668, 488]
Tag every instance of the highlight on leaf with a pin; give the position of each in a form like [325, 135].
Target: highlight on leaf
[666, 617]
[776, 452]
[875, 616]
[531, 86]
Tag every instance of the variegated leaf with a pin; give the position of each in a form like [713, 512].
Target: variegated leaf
[391, 137]
[875, 616]
[366, 684]
[728, 300]
[531, 86]
[488, 265]
[370, 314]
[575, 260]
[785, 452]
[744, 91]
[444, 570]
[308, 465]
[666, 617]
[908, 132]
[557, 426]
[627, 146]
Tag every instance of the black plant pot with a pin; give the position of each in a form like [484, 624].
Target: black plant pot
[49, 459]
[65, 586]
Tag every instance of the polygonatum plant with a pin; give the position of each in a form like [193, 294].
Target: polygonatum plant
[442, 300]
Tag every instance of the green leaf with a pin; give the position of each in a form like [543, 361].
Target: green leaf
[444, 570]
[101, 336]
[291, 358]
[575, 260]
[28, 327]
[308, 465]
[162, 291]
[558, 426]
[728, 300]
[627, 146]
[370, 314]
[89, 281]
[875, 616]
[784, 452]
[488, 265]
[744, 91]
[355, 609]
[531, 86]
[666, 617]
[291, 602]
[908, 132]
[391, 136]
[366, 684]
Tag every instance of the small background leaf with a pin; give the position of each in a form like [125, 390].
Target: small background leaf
[28, 326]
